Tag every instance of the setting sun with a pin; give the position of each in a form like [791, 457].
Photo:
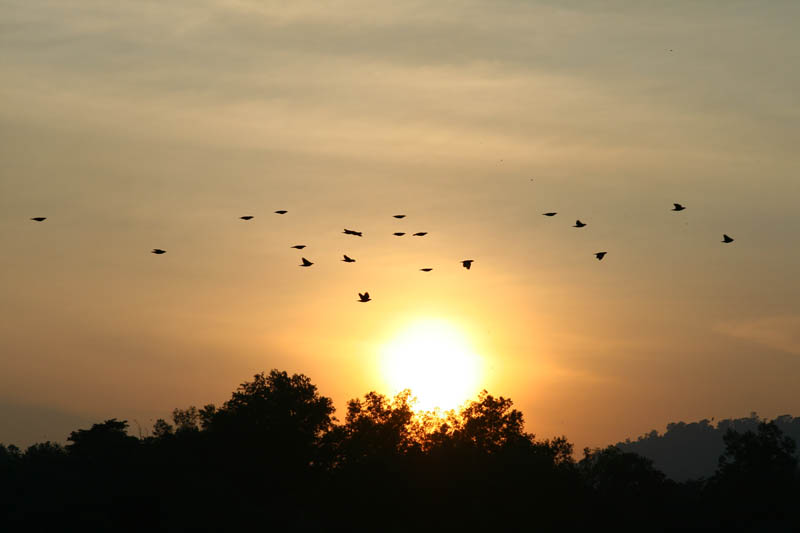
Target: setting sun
[435, 361]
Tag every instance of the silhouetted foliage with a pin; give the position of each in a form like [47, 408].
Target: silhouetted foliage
[691, 450]
[273, 457]
[757, 479]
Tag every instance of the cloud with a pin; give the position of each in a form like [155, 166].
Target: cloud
[777, 332]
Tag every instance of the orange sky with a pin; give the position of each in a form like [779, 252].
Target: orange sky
[144, 125]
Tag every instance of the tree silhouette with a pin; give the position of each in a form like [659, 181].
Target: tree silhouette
[279, 414]
[757, 479]
[102, 442]
[377, 428]
[626, 489]
[273, 457]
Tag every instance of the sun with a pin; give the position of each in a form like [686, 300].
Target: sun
[435, 361]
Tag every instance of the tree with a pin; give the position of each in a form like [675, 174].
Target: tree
[275, 415]
[620, 474]
[377, 428]
[758, 458]
[102, 441]
[757, 478]
[488, 424]
[162, 429]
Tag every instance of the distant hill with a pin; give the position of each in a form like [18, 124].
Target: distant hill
[691, 451]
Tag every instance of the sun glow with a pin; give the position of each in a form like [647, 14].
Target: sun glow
[435, 361]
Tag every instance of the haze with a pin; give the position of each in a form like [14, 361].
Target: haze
[141, 125]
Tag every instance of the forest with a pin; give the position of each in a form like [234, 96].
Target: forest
[275, 458]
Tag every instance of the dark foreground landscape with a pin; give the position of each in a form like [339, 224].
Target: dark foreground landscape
[274, 458]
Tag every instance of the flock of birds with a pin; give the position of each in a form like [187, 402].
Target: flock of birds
[466, 263]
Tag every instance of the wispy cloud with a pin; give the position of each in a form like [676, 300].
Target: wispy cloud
[777, 332]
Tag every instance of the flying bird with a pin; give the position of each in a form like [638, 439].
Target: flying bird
[420, 234]
[398, 234]
[578, 224]
[467, 263]
[39, 219]
[600, 255]
[399, 216]
[306, 262]
[352, 232]
[426, 269]
[247, 217]
[348, 259]
[281, 211]
[299, 246]
[363, 297]
[551, 214]
[726, 239]
[158, 251]
[678, 207]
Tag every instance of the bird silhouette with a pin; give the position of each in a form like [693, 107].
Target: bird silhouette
[39, 219]
[299, 246]
[306, 262]
[726, 239]
[578, 224]
[158, 251]
[550, 214]
[348, 259]
[420, 234]
[399, 216]
[352, 232]
[281, 211]
[247, 217]
[678, 207]
[600, 255]
[426, 269]
[398, 234]
[467, 263]
[363, 297]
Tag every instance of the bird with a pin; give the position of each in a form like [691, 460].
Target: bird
[426, 269]
[600, 255]
[399, 216]
[363, 297]
[550, 214]
[352, 232]
[578, 224]
[467, 263]
[39, 219]
[281, 211]
[247, 217]
[398, 234]
[299, 246]
[678, 207]
[348, 259]
[306, 262]
[420, 234]
[158, 251]
[726, 239]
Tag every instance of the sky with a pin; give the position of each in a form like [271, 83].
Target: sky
[135, 125]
